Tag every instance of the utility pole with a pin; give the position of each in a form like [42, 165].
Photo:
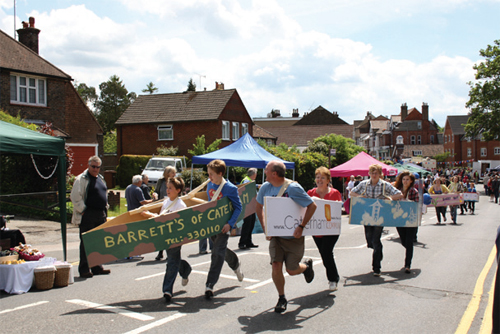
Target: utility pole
[201, 76]
[14, 19]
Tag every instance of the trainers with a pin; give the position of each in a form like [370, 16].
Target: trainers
[333, 286]
[376, 273]
[309, 272]
[239, 273]
[209, 293]
[185, 281]
[167, 296]
[281, 306]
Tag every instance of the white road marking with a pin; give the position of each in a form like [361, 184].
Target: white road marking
[110, 308]
[364, 245]
[251, 280]
[156, 323]
[23, 307]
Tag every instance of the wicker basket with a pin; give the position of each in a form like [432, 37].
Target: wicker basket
[62, 275]
[44, 277]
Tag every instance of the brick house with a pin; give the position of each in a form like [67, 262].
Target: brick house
[466, 151]
[261, 133]
[40, 92]
[300, 131]
[414, 134]
[176, 119]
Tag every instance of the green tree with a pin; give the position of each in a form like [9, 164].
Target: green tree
[346, 148]
[440, 129]
[191, 86]
[484, 96]
[150, 88]
[199, 147]
[442, 156]
[110, 145]
[113, 101]
[167, 151]
[88, 94]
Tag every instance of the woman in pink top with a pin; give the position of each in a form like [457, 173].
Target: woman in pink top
[326, 243]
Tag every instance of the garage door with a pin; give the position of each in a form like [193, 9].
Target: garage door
[81, 154]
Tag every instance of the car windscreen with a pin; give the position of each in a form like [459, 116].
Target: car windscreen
[159, 164]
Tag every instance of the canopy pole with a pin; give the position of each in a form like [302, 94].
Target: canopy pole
[61, 181]
[191, 185]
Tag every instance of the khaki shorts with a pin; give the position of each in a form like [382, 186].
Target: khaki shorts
[289, 251]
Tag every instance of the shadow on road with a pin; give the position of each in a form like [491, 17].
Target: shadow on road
[298, 310]
[386, 277]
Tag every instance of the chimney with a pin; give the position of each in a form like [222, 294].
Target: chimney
[219, 86]
[404, 111]
[425, 111]
[295, 112]
[275, 113]
[28, 35]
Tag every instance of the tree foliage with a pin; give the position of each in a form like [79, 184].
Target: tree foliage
[346, 148]
[88, 94]
[113, 101]
[439, 128]
[199, 147]
[191, 86]
[150, 88]
[442, 156]
[110, 144]
[484, 96]
[16, 121]
[167, 151]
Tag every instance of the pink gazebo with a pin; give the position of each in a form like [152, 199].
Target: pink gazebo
[359, 166]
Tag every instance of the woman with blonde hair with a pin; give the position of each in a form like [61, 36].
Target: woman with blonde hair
[437, 189]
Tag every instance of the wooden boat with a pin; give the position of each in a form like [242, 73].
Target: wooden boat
[131, 234]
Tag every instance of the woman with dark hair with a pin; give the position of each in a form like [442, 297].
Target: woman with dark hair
[326, 243]
[405, 183]
[438, 189]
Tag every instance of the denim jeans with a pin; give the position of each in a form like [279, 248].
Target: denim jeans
[407, 236]
[202, 245]
[174, 265]
[220, 253]
[325, 246]
[372, 235]
[453, 212]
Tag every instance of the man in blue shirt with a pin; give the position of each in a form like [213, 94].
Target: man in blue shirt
[134, 195]
[288, 250]
[217, 188]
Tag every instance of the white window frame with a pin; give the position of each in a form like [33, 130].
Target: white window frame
[419, 140]
[419, 125]
[236, 130]
[445, 139]
[417, 153]
[484, 151]
[452, 138]
[244, 129]
[412, 140]
[22, 88]
[225, 130]
[469, 152]
[496, 151]
[164, 130]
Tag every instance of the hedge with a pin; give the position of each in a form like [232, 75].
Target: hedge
[128, 166]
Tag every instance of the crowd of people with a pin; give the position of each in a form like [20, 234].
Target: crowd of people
[90, 209]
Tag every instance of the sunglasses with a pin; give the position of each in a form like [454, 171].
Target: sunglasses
[96, 167]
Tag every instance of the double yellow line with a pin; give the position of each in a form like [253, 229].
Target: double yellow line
[473, 307]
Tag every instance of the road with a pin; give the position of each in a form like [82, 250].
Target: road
[448, 290]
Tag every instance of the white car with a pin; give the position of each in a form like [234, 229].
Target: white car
[156, 165]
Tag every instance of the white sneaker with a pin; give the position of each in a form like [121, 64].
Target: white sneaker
[238, 273]
[185, 281]
[333, 286]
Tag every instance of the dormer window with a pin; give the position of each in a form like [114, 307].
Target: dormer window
[28, 90]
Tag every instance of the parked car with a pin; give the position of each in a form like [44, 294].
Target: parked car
[156, 165]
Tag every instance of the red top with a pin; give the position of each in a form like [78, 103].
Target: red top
[333, 195]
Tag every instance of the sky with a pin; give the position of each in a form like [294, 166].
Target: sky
[349, 56]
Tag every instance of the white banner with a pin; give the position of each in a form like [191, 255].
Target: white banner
[283, 216]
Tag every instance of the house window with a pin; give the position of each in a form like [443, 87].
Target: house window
[236, 130]
[497, 151]
[399, 139]
[412, 140]
[165, 132]
[269, 142]
[417, 153]
[469, 152]
[419, 125]
[483, 151]
[28, 90]
[453, 151]
[432, 139]
[452, 139]
[445, 139]
[468, 139]
[419, 140]
[244, 128]
[225, 130]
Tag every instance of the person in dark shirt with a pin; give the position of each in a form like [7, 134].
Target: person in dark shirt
[90, 203]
